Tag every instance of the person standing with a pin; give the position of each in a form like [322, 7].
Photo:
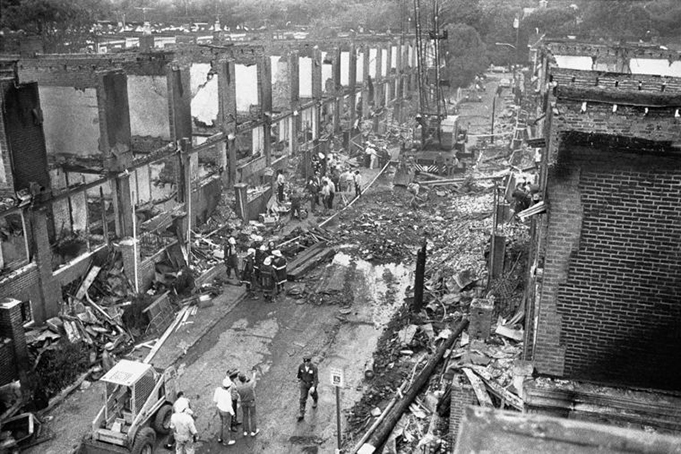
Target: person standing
[247, 271]
[281, 183]
[373, 155]
[246, 390]
[346, 180]
[223, 402]
[326, 193]
[231, 258]
[267, 275]
[307, 381]
[313, 188]
[296, 201]
[279, 267]
[332, 192]
[357, 178]
[180, 405]
[184, 430]
[233, 374]
[260, 256]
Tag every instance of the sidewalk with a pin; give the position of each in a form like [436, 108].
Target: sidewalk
[196, 326]
[71, 420]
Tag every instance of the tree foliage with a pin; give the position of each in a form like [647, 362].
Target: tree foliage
[552, 21]
[61, 24]
[465, 54]
[623, 20]
[467, 12]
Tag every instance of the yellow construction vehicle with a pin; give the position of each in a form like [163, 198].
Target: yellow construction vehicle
[137, 406]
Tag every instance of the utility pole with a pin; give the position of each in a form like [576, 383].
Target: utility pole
[420, 277]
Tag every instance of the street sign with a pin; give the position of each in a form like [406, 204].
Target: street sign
[337, 378]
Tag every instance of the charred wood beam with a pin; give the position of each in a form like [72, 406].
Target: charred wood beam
[382, 432]
[613, 142]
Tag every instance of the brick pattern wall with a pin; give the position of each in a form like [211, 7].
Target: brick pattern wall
[627, 121]
[462, 395]
[6, 178]
[11, 326]
[610, 306]
[23, 284]
[8, 370]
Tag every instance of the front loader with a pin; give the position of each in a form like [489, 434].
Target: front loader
[137, 406]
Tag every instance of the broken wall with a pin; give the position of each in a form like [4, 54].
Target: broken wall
[149, 102]
[609, 307]
[71, 120]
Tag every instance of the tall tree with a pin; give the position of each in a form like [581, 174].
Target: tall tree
[465, 54]
[63, 25]
[622, 20]
[665, 17]
[467, 12]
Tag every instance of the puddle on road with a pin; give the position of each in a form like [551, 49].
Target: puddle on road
[384, 285]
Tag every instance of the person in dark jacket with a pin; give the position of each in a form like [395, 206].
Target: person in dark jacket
[313, 189]
[279, 267]
[247, 271]
[231, 258]
[260, 256]
[308, 379]
[267, 275]
[233, 374]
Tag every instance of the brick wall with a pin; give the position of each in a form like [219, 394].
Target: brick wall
[6, 178]
[627, 121]
[11, 326]
[462, 396]
[610, 307]
[8, 370]
[23, 284]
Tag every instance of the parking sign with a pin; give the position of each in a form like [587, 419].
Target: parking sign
[337, 377]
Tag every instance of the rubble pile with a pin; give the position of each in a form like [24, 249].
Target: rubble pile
[457, 226]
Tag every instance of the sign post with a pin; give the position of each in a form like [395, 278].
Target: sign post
[337, 380]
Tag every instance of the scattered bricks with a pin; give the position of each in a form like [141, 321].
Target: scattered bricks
[480, 319]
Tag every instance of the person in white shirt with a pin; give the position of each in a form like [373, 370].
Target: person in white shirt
[357, 178]
[180, 405]
[347, 180]
[184, 431]
[281, 183]
[223, 401]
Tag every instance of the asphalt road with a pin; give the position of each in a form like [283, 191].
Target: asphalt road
[272, 337]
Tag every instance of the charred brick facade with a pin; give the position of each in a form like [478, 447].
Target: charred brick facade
[609, 306]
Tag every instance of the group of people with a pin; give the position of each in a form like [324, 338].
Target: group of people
[263, 268]
[236, 391]
[322, 188]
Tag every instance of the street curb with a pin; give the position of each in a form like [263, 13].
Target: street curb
[207, 327]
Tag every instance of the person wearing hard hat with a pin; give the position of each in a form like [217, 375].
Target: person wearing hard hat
[247, 271]
[268, 282]
[231, 258]
[307, 382]
[183, 428]
[181, 405]
[279, 267]
[260, 256]
[222, 397]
